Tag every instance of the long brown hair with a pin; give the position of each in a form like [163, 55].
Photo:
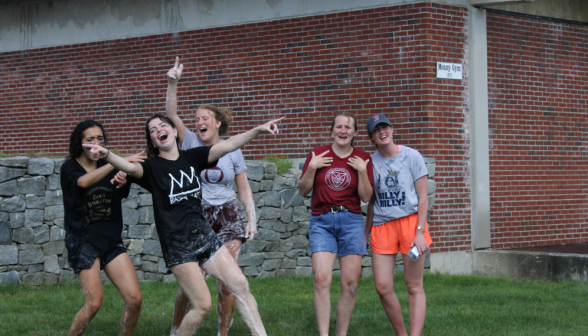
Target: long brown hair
[349, 115]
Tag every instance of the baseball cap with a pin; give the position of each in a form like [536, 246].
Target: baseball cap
[376, 119]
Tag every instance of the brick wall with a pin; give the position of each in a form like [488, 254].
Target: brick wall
[538, 130]
[308, 69]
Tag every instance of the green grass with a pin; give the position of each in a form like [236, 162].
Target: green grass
[456, 305]
[283, 163]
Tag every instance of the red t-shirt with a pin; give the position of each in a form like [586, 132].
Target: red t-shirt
[336, 184]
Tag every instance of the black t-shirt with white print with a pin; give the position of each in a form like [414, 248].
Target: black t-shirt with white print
[92, 215]
[175, 188]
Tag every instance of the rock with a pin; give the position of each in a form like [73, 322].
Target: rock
[150, 258]
[34, 217]
[281, 272]
[154, 234]
[267, 235]
[51, 279]
[145, 200]
[23, 235]
[431, 170]
[274, 255]
[53, 182]
[255, 246]
[259, 199]
[33, 279]
[12, 278]
[153, 277]
[272, 246]
[136, 260]
[269, 213]
[264, 274]
[152, 247]
[13, 204]
[4, 215]
[286, 245]
[53, 212]
[36, 202]
[288, 263]
[41, 234]
[146, 215]
[149, 266]
[130, 216]
[250, 271]
[57, 165]
[267, 224]
[292, 227]
[273, 199]
[300, 214]
[367, 272]
[15, 161]
[300, 242]
[56, 233]
[51, 265]
[304, 261]
[8, 188]
[266, 185]
[295, 254]
[135, 246]
[432, 186]
[337, 265]
[281, 183]
[24, 247]
[32, 185]
[40, 166]
[251, 259]
[5, 233]
[161, 268]
[11, 173]
[169, 278]
[8, 255]
[53, 197]
[59, 222]
[279, 227]
[366, 261]
[254, 171]
[270, 168]
[291, 198]
[254, 186]
[139, 231]
[431, 207]
[303, 271]
[284, 235]
[286, 215]
[131, 203]
[271, 264]
[141, 275]
[67, 277]
[31, 257]
[54, 248]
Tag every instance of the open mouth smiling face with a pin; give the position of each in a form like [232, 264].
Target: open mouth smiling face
[206, 125]
[161, 133]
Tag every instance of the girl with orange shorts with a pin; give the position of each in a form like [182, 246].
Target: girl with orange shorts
[397, 221]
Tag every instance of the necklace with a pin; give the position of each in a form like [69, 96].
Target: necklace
[342, 156]
[81, 164]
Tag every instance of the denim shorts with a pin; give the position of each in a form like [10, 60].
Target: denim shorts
[341, 232]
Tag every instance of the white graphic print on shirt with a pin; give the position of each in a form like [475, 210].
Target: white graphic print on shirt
[183, 195]
[338, 178]
[390, 193]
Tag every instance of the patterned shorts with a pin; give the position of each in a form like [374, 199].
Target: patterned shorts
[225, 220]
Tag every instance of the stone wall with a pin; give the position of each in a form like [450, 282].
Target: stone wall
[32, 246]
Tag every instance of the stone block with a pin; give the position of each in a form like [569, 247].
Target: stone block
[146, 215]
[8, 255]
[161, 268]
[431, 201]
[141, 275]
[300, 242]
[271, 264]
[254, 186]
[54, 248]
[136, 260]
[292, 227]
[279, 227]
[56, 233]
[274, 255]
[24, 247]
[4, 216]
[53, 197]
[67, 277]
[139, 232]
[269, 213]
[53, 182]
[32, 185]
[53, 212]
[255, 246]
[130, 216]
[8, 188]
[286, 245]
[169, 278]
[270, 168]
[250, 271]
[152, 247]
[12, 278]
[432, 186]
[31, 257]
[288, 263]
[57, 165]
[135, 246]
[266, 274]
[13, 204]
[145, 200]
[337, 265]
[41, 234]
[11, 173]
[259, 199]
[15, 161]
[150, 258]
[367, 272]
[431, 169]
[34, 217]
[33, 279]
[303, 228]
[51, 265]
[35, 268]
[300, 214]
[284, 235]
[267, 224]
[5, 233]
[154, 234]
[59, 222]
[273, 199]
[281, 183]
[51, 279]
[130, 203]
[267, 235]
[40, 166]
[23, 235]
[149, 266]
[254, 171]
[304, 261]
[36, 202]
[286, 215]
[153, 277]
[266, 185]
[291, 198]
[272, 246]
[281, 272]
[303, 271]
[295, 254]
[251, 259]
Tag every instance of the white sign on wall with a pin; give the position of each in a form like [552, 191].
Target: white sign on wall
[449, 70]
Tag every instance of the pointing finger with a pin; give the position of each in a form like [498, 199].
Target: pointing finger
[177, 62]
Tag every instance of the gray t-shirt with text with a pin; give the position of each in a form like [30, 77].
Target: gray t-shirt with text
[394, 179]
[217, 182]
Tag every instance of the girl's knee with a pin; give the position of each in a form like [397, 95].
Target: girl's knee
[134, 302]
[384, 288]
[238, 285]
[322, 281]
[93, 306]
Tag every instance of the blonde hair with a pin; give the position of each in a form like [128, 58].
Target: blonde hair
[225, 116]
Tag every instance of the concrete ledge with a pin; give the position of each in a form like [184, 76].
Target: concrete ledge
[513, 264]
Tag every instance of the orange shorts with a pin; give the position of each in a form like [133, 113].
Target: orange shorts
[388, 237]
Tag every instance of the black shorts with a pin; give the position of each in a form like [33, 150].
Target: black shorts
[83, 257]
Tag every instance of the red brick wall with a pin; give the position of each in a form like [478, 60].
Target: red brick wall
[538, 131]
[307, 69]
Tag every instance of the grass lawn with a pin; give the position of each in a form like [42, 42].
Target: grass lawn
[456, 305]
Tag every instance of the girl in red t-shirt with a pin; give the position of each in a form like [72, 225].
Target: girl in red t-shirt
[339, 176]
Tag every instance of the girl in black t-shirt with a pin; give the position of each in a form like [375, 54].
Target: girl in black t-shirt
[173, 178]
[93, 226]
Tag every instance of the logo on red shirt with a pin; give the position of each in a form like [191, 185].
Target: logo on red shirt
[338, 178]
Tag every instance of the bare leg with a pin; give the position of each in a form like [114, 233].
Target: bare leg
[124, 277]
[92, 289]
[417, 302]
[383, 266]
[194, 287]
[226, 300]
[322, 267]
[350, 272]
[223, 267]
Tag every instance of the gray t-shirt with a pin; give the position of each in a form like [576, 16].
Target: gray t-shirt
[394, 179]
[217, 182]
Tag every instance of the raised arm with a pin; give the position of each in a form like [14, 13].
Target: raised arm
[97, 175]
[132, 168]
[306, 182]
[233, 143]
[248, 203]
[171, 100]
